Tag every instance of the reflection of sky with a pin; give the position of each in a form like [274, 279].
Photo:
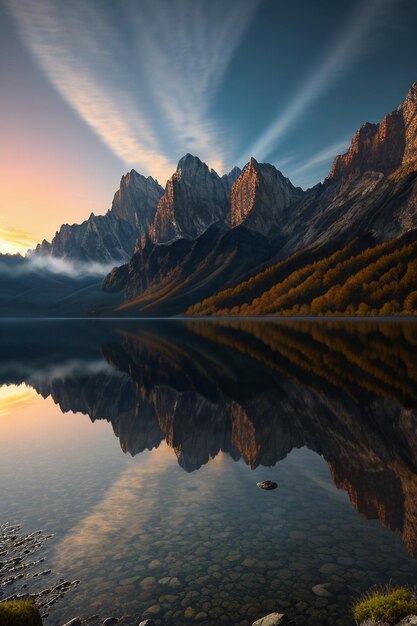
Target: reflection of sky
[91, 90]
[111, 513]
[14, 396]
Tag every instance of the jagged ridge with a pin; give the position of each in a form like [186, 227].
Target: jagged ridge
[109, 237]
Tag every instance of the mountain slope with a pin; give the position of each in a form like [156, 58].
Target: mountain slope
[109, 237]
[30, 291]
[166, 279]
[380, 279]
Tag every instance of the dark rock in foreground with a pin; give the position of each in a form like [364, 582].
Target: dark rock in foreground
[268, 485]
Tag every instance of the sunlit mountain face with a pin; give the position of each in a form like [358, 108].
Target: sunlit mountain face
[203, 410]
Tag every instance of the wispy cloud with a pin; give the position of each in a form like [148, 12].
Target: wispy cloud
[188, 46]
[302, 174]
[13, 241]
[356, 37]
[181, 51]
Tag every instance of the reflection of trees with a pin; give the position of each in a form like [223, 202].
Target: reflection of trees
[372, 357]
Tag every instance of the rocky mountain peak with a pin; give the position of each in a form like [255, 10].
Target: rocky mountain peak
[136, 199]
[408, 110]
[188, 165]
[234, 172]
[253, 164]
[229, 178]
[260, 196]
[110, 237]
[384, 147]
[411, 96]
[195, 197]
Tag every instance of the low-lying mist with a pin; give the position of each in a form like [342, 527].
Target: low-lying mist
[15, 266]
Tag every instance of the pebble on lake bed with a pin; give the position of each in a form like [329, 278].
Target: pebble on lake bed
[322, 590]
[268, 485]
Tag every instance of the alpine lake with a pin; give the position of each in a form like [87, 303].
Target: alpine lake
[138, 445]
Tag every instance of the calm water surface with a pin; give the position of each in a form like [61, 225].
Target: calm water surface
[139, 445]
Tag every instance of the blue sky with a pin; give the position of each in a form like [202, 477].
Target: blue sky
[93, 88]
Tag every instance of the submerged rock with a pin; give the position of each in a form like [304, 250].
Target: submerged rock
[273, 619]
[322, 590]
[268, 485]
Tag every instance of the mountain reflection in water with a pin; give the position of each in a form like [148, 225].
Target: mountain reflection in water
[251, 389]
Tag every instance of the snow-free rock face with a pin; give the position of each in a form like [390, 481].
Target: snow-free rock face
[229, 179]
[382, 147]
[195, 197]
[136, 199]
[408, 110]
[109, 237]
[260, 197]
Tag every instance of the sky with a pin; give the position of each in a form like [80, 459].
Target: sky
[93, 88]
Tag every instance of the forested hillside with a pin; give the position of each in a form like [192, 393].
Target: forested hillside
[375, 280]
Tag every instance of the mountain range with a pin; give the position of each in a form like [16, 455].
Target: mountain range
[210, 244]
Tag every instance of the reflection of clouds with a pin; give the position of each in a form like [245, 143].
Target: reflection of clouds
[15, 396]
[39, 372]
[152, 495]
[122, 510]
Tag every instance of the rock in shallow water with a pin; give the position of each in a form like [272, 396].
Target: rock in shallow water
[273, 619]
[147, 622]
[322, 590]
[76, 621]
[267, 484]
[110, 621]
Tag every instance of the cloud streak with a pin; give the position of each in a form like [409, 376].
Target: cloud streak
[352, 42]
[196, 41]
[302, 173]
[182, 50]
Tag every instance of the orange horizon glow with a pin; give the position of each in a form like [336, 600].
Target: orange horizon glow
[35, 210]
[14, 241]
